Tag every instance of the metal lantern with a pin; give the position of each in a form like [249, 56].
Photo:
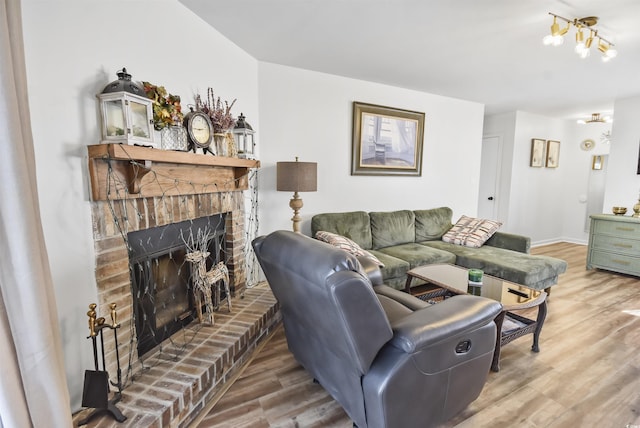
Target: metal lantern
[127, 113]
[243, 135]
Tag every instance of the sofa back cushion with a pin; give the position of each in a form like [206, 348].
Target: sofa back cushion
[392, 228]
[432, 224]
[354, 225]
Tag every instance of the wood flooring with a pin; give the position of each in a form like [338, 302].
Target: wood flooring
[587, 373]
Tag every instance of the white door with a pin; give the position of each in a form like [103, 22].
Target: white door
[489, 177]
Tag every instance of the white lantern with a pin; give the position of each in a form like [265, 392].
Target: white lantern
[243, 135]
[127, 113]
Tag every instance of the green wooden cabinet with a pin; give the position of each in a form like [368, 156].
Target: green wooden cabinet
[614, 243]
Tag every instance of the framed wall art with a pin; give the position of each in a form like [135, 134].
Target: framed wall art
[553, 154]
[386, 141]
[537, 152]
[597, 162]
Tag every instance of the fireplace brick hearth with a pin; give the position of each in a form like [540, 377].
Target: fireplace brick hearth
[172, 393]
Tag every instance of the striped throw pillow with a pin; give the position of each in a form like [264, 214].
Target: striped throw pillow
[471, 232]
[345, 244]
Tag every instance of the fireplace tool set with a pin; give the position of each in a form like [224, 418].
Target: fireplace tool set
[96, 382]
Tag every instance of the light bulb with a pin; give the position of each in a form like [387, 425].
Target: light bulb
[584, 53]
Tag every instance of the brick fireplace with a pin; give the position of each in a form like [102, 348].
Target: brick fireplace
[134, 189]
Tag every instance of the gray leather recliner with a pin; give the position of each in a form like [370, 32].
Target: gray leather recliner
[389, 359]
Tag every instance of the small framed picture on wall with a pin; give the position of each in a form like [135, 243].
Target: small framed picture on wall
[597, 162]
[553, 154]
[537, 153]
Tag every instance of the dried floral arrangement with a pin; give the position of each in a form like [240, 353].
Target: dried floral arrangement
[167, 110]
[220, 114]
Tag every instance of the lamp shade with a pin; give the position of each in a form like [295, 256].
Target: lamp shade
[297, 176]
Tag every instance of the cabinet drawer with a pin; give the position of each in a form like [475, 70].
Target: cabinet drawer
[615, 262]
[616, 244]
[625, 230]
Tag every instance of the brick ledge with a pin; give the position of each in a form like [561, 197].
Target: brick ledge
[173, 393]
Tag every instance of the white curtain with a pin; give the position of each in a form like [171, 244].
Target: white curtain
[33, 388]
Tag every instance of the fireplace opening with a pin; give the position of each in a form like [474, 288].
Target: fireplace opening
[161, 278]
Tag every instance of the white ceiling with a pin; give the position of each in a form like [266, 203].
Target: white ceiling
[488, 51]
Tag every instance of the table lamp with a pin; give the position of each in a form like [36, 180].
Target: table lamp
[297, 177]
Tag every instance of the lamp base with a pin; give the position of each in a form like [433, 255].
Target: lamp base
[296, 203]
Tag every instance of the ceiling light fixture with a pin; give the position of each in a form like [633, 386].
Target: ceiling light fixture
[556, 38]
[595, 118]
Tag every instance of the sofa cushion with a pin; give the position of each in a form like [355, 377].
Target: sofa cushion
[510, 241]
[471, 232]
[392, 228]
[399, 259]
[432, 224]
[354, 225]
[394, 272]
[418, 255]
[534, 271]
[345, 244]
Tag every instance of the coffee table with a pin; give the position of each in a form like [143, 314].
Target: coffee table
[447, 280]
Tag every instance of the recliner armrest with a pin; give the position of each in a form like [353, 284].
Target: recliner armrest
[401, 297]
[371, 269]
[440, 321]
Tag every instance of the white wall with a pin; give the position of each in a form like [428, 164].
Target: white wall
[623, 182]
[537, 194]
[309, 115]
[577, 186]
[73, 49]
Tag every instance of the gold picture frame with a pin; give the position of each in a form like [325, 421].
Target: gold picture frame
[386, 140]
[537, 152]
[597, 162]
[553, 154]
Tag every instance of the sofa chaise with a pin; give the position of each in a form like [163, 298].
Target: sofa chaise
[404, 239]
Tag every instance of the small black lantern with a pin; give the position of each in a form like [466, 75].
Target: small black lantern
[127, 113]
[243, 134]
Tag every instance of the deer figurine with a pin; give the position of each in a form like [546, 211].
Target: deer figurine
[203, 282]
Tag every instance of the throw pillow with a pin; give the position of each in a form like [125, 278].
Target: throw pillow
[345, 244]
[471, 232]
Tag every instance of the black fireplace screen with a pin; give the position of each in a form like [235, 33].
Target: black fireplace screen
[161, 282]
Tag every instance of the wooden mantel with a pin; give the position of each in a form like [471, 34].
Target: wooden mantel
[120, 171]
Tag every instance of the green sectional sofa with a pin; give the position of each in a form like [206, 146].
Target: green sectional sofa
[405, 239]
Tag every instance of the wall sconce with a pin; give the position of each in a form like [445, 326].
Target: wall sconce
[243, 134]
[556, 38]
[297, 177]
[127, 113]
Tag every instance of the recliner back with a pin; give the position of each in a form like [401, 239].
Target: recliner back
[326, 294]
